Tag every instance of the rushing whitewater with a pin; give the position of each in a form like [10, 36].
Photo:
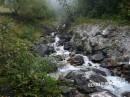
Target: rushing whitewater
[115, 84]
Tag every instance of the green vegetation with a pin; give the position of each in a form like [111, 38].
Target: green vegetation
[91, 11]
[4, 10]
[104, 8]
[20, 69]
[103, 21]
[28, 8]
[24, 73]
[98, 8]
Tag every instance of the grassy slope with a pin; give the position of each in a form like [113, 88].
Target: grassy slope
[4, 10]
[23, 30]
[26, 29]
[105, 21]
[26, 32]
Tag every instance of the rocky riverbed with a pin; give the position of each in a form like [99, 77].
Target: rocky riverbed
[93, 60]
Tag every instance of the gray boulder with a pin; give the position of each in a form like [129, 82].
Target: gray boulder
[71, 92]
[76, 60]
[97, 57]
[43, 49]
[126, 94]
[83, 80]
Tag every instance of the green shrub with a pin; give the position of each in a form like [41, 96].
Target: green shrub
[23, 71]
[29, 32]
[28, 8]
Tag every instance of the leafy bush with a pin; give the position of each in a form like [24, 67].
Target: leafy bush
[29, 32]
[28, 8]
[97, 8]
[24, 72]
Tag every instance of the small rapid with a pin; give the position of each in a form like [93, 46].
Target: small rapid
[114, 84]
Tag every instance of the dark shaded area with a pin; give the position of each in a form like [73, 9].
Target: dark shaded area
[104, 8]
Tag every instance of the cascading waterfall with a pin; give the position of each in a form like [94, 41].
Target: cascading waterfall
[114, 84]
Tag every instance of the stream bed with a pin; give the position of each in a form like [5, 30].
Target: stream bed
[116, 85]
[92, 60]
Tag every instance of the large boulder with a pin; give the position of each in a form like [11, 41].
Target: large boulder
[89, 37]
[43, 49]
[78, 43]
[109, 31]
[76, 60]
[97, 78]
[126, 94]
[120, 66]
[98, 42]
[99, 72]
[83, 84]
[97, 57]
[126, 72]
[70, 92]
[113, 40]
[83, 80]
[110, 40]
[64, 37]
[69, 46]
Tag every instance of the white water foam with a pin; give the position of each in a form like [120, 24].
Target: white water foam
[68, 68]
[115, 84]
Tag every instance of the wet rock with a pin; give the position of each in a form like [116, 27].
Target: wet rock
[97, 57]
[72, 75]
[58, 58]
[124, 60]
[115, 61]
[64, 37]
[50, 50]
[61, 42]
[43, 49]
[99, 72]
[76, 60]
[87, 47]
[119, 66]
[126, 94]
[98, 42]
[112, 63]
[102, 94]
[50, 39]
[109, 31]
[83, 81]
[78, 43]
[97, 78]
[69, 46]
[79, 50]
[47, 40]
[126, 72]
[71, 92]
[112, 40]
[47, 30]
[83, 84]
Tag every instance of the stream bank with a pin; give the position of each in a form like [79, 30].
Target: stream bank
[89, 54]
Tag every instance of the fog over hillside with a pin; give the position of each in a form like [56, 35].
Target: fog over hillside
[61, 11]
